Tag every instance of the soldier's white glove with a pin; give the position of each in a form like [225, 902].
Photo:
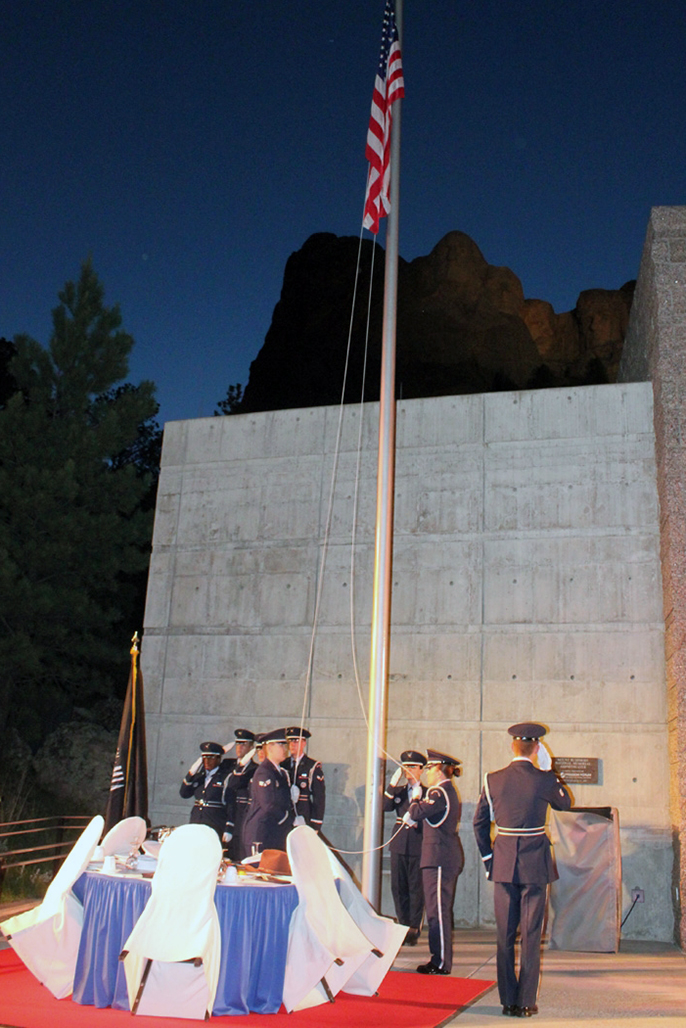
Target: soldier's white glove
[545, 761]
[227, 837]
[407, 820]
[487, 864]
[246, 758]
[229, 746]
[416, 793]
[397, 775]
[295, 793]
[298, 821]
[195, 767]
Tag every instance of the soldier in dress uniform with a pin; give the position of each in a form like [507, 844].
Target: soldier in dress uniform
[242, 770]
[270, 810]
[307, 779]
[406, 845]
[206, 781]
[442, 858]
[520, 861]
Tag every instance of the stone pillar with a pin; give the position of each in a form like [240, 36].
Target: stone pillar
[655, 350]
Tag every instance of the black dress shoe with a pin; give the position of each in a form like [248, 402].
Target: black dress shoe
[511, 1010]
[527, 1011]
[431, 969]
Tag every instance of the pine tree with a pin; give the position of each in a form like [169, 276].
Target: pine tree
[73, 528]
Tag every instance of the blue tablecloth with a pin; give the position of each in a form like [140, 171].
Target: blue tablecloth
[254, 923]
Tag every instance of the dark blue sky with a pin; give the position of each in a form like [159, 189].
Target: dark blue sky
[190, 147]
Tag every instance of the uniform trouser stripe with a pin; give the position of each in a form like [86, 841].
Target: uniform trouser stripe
[439, 893]
[439, 883]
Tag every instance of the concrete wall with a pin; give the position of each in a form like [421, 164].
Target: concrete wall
[526, 585]
[654, 349]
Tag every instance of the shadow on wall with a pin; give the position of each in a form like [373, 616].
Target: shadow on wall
[343, 818]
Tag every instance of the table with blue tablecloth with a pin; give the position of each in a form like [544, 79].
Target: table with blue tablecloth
[254, 920]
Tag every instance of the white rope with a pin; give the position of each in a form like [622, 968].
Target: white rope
[334, 474]
[373, 848]
[329, 516]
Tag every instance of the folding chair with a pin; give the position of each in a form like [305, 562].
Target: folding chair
[125, 838]
[172, 956]
[47, 937]
[385, 935]
[325, 946]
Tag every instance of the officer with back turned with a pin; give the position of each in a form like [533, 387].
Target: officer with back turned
[520, 860]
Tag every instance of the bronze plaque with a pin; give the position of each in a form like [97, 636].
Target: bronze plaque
[577, 770]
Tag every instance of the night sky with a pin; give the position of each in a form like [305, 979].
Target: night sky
[190, 147]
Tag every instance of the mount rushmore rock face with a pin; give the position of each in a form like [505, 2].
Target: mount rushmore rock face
[464, 326]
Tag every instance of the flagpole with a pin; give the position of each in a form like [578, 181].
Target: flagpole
[383, 549]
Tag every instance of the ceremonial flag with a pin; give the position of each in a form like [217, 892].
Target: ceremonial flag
[389, 86]
[129, 785]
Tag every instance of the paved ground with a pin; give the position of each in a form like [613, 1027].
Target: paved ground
[644, 984]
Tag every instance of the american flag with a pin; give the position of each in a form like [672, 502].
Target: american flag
[389, 86]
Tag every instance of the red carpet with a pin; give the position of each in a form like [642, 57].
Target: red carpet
[404, 1001]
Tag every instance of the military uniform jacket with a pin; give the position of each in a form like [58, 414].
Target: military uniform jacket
[519, 798]
[309, 777]
[213, 803]
[440, 811]
[239, 780]
[270, 812]
[408, 840]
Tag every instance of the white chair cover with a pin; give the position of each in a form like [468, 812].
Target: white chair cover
[179, 923]
[321, 929]
[152, 847]
[125, 837]
[47, 937]
[385, 935]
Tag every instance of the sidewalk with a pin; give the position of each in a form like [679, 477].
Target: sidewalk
[644, 984]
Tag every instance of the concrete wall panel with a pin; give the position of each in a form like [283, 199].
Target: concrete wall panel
[654, 352]
[526, 584]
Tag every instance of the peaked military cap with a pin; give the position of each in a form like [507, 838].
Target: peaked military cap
[211, 749]
[413, 758]
[528, 731]
[296, 732]
[434, 757]
[244, 735]
[277, 735]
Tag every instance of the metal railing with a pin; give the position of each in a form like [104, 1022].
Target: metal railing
[53, 838]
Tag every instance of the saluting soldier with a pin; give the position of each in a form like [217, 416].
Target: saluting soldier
[307, 779]
[442, 858]
[238, 781]
[520, 861]
[206, 781]
[406, 845]
[270, 811]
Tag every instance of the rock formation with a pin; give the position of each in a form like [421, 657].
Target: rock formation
[464, 326]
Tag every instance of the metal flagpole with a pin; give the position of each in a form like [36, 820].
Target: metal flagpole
[383, 550]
